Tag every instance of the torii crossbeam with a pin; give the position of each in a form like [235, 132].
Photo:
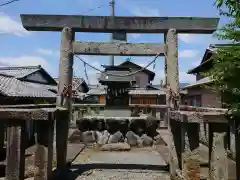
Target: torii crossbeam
[198, 25]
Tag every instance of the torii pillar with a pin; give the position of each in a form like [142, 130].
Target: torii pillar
[64, 98]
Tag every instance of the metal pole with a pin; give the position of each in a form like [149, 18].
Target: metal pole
[112, 5]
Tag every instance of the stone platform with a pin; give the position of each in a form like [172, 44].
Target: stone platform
[137, 164]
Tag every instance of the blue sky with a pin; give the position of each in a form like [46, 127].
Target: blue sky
[20, 47]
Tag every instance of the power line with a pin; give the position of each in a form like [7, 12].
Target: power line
[119, 75]
[9, 2]
[92, 9]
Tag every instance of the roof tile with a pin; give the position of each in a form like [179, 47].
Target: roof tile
[11, 86]
[199, 82]
[19, 72]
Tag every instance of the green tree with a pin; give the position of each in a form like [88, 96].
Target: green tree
[226, 70]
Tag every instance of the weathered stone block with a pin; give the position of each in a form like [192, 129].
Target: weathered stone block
[112, 126]
[132, 139]
[88, 137]
[151, 126]
[116, 137]
[124, 126]
[75, 137]
[159, 140]
[138, 126]
[146, 140]
[115, 147]
[83, 125]
[102, 137]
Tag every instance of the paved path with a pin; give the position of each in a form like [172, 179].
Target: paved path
[137, 164]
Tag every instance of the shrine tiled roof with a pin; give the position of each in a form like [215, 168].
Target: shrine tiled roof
[115, 77]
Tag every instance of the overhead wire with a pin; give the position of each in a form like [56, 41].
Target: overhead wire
[8, 2]
[119, 75]
[92, 9]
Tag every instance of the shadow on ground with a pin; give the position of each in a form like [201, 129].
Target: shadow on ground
[77, 169]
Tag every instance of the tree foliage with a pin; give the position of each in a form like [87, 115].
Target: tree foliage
[226, 62]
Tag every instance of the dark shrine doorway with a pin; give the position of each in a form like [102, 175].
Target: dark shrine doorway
[117, 94]
[117, 85]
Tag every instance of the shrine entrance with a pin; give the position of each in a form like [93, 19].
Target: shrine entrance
[117, 94]
[117, 85]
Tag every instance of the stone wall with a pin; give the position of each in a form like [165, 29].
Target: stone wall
[137, 132]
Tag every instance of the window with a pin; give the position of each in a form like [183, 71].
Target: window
[137, 80]
[195, 100]
[198, 101]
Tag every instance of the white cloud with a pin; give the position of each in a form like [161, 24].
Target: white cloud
[48, 52]
[137, 10]
[10, 26]
[199, 39]
[186, 78]
[144, 11]
[187, 53]
[187, 38]
[135, 36]
[24, 61]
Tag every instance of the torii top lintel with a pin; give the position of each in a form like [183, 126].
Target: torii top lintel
[198, 25]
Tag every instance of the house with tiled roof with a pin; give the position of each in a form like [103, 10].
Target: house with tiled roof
[26, 85]
[116, 88]
[143, 77]
[198, 94]
[34, 74]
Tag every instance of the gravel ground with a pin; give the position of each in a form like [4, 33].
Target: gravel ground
[124, 175]
[140, 156]
[122, 165]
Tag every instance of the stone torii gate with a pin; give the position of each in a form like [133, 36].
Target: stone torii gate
[69, 24]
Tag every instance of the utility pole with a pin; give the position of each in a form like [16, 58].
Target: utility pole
[112, 5]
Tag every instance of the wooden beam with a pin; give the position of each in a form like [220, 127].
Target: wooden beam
[237, 147]
[118, 48]
[153, 106]
[190, 151]
[44, 149]
[29, 106]
[106, 118]
[88, 105]
[202, 109]
[15, 151]
[198, 117]
[36, 22]
[25, 114]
